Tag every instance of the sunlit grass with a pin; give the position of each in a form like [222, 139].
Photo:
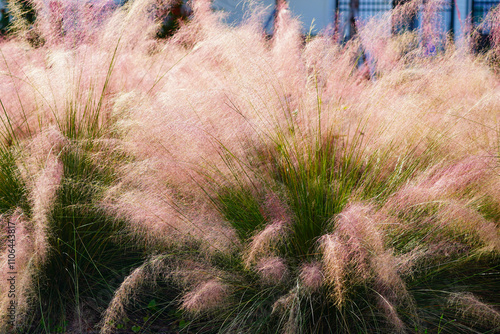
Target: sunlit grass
[219, 181]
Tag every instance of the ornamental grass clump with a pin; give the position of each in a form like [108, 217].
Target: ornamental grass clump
[221, 181]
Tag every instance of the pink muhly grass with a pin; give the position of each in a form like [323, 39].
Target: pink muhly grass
[359, 223]
[154, 220]
[377, 42]
[493, 22]
[122, 296]
[356, 253]
[272, 270]
[190, 273]
[51, 18]
[440, 182]
[407, 263]
[288, 307]
[265, 242]
[68, 22]
[182, 138]
[43, 196]
[39, 157]
[276, 210]
[470, 307]
[335, 257]
[49, 142]
[359, 229]
[464, 221]
[43, 171]
[183, 105]
[457, 177]
[432, 26]
[287, 34]
[147, 273]
[285, 302]
[385, 271]
[157, 220]
[286, 51]
[311, 276]
[391, 289]
[443, 188]
[209, 292]
[215, 234]
[391, 314]
[205, 297]
[204, 23]
[133, 13]
[402, 13]
[202, 11]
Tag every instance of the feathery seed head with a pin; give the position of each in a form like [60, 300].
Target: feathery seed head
[205, 297]
[312, 276]
[335, 261]
[272, 270]
[265, 242]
